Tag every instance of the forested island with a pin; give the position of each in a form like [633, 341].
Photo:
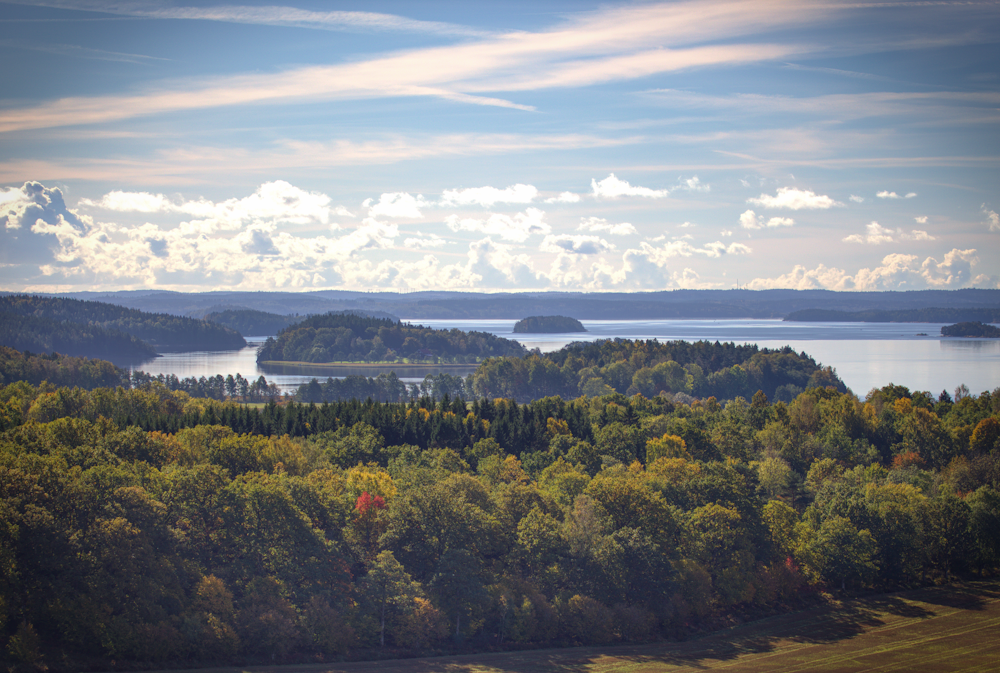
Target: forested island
[349, 337]
[548, 324]
[903, 315]
[160, 331]
[146, 528]
[971, 329]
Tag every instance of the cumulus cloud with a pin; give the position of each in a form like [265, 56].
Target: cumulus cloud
[893, 195]
[580, 244]
[876, 234]
[693, 184]
[396, 205]
[428, 241]
[487, 196]
[750, 220]
[794, 199]
[920, 219]
[992, 217]
[611, 188]
[896, 272]
[33, 202]
[277, 200]
[564, 197]
[600, 224]
[726, 232]
[857, 199]
[246, 242]
[510, 228]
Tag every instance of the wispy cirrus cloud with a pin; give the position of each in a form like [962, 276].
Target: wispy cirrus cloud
[267, 16]
[607, 45]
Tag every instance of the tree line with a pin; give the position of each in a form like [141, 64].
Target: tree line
[159, 330]
[148, 526]
[347, 337]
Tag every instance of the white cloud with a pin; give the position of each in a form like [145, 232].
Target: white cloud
[613, 44]
[580, 244]
[857, 199]
[517, 228]
[992, 217]
[564, 197]
[921, 219]
[681, 248]
[397, 205]
[277, 200]
[876, 234]
[429, 241]
[750, 220]
[33, 202]
[611, 187]
[893, 195]
[726, 232]
[600, 224]
[487, 196]
[794, 199]
[693, 184]
[896, 272]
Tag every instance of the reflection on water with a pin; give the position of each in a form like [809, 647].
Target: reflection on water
[866, 355]
[962, 344]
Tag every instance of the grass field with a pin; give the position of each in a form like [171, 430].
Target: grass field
[943, 629]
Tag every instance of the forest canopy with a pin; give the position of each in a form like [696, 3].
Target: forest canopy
[347, 337]
[43, 335]
[159, 330]
[146, 527]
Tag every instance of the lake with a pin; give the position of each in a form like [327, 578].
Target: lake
[865, 355]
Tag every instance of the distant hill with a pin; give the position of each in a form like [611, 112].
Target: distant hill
[931, 314]
[161, 331]
[672, 304]
[249, 322]
[548, 324]
[42, 335]
[346, 337]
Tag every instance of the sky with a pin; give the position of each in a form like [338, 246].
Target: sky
[499, 146]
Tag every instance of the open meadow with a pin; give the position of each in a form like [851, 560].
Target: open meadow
[939, 629]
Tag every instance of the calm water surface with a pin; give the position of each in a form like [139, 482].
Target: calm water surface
[865, 355]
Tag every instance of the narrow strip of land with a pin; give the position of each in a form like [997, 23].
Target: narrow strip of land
[942, 629]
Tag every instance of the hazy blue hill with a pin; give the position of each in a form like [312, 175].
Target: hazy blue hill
[674, 304]
[932, 315]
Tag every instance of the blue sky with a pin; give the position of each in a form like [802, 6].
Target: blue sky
[512, 146]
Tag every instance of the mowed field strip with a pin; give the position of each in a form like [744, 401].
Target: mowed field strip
[938, 629]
